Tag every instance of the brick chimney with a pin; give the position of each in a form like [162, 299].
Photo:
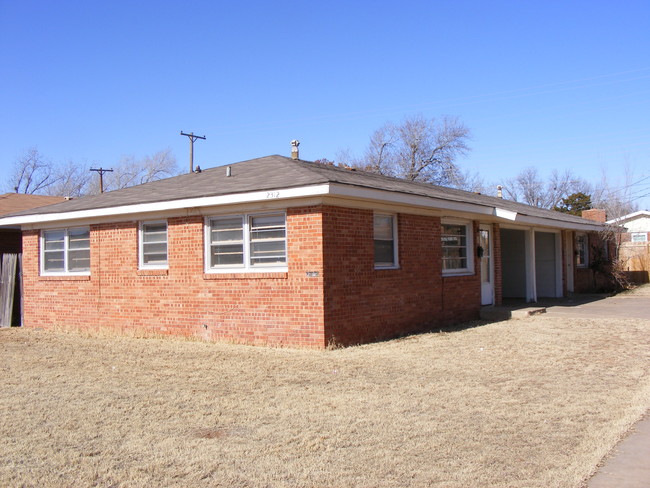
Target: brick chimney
[596, 214]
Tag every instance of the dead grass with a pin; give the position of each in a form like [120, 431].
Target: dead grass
[528, 403]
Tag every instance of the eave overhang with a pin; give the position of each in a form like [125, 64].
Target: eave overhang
[331, 190]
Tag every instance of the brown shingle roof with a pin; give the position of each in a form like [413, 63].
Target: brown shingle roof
[277, 172]
[15, 202]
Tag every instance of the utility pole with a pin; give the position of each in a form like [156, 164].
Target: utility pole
[192, 138]
[101, 172]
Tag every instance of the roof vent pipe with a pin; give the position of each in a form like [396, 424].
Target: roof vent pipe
[228, 171]
[294, 149]
[499, 191]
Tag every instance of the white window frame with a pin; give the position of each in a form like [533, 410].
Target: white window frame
[585, 251]
[395, 263]
[469, 244]
[642, 235]
[66, 252]
[246, 266]
[141, 263]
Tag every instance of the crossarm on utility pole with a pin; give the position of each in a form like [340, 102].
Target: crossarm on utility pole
[101, 172]
[192, 138]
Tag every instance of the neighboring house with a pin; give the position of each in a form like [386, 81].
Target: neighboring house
[10, 237]
[10, 249]
[286, 252]
[635, 243]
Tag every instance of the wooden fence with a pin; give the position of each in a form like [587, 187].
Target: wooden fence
[635, 257]
[10, 289]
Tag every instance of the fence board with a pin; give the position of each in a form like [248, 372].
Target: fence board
[7, 288]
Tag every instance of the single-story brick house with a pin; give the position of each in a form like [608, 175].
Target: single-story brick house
[281, 251]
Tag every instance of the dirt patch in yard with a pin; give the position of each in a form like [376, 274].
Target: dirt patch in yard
[526, 403]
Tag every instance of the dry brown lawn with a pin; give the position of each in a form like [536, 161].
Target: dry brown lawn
[527, 403]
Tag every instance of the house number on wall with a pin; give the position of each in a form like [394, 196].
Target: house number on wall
[272, 194]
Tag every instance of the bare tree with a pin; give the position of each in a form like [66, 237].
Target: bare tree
[419, 149]
[530, 188]
[32, 173]
[617, 195]
[71, 180]
[131, 171]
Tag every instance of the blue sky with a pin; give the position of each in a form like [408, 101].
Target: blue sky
[555, 85]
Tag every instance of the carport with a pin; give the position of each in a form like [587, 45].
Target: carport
[531, 263]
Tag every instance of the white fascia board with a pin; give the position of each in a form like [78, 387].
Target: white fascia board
[407, 199]
[502, 213]
[559, 224]
[470, 208]
[143, 208]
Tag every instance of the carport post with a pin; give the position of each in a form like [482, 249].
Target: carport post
[531, 276]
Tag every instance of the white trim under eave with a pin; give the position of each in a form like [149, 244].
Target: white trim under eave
[258, 196]
[473, 209]
[558, 224]
[407, 199]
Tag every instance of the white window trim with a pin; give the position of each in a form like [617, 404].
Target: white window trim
[469, 229]
[639, 234]
[395, 263]
[66, 250]
[586, 263]
[141, 263]
[246, 267]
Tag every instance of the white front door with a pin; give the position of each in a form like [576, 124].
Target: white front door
[487, 266]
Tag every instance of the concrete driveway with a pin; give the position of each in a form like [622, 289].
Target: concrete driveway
[634, 304]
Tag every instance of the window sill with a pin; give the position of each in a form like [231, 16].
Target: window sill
[452, 274]
[64, 278]
[153, 272]
[386, 268]
[246, 276]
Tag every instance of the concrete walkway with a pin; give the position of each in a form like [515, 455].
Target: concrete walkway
[628, 465]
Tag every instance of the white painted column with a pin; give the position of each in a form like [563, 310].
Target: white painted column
[531, 277]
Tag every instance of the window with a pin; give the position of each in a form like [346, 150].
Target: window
[639, 237]
[385, 245]
[456, 247]
[247, 242]
[65, 251]
[582, 257]
[153, 244]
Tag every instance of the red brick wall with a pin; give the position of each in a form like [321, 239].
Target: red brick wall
[587, 280]
[273, 308]
[363, 304]
[343, 301]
